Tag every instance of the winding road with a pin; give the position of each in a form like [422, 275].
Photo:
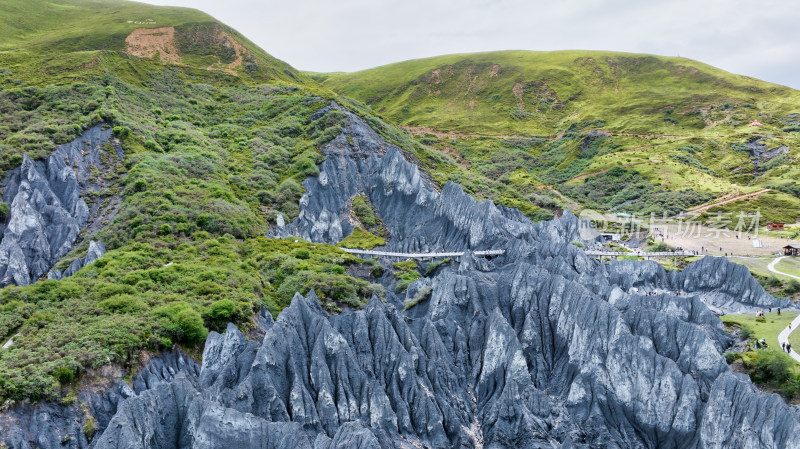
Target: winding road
[771, 267]
[783, 337]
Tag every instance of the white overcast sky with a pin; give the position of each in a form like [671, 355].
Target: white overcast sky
[759, 38]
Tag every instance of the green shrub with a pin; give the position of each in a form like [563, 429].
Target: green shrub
[770, 366]
[773, 282]
[361, 239]
[363, 211]
[792, 287]
[140, 185]
[40, 319]
[191, 325]
[121, 304]
[207, 288]
[302, 254]
[333, 268]
[433, 266]
[222, 311]
[121, 131]
[4, 210]
[419, 295]
[406, 265]
[89, 427]
[64, 375]
[659, 247]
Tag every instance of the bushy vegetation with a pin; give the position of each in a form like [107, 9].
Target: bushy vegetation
[433, 266]
[792, 188]
[149, 295]
[789, 289]
[361, 239]
[626, 190]
[405, 272]
[772, 206]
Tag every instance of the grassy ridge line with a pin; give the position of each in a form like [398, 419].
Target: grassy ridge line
[477, 92]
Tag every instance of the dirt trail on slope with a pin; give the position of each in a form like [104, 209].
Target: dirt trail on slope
[422, 130]
[743, 196]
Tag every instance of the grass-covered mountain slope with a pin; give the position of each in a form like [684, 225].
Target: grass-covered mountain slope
[49, 42]
[565, 118]
[539, 93]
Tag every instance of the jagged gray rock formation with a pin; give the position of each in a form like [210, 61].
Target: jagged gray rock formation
[95, 251]
[539, 347]
[46, 210]
[359, 161]
[49, 425]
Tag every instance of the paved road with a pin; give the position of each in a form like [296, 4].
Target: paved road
[771, 267]
[783, 337]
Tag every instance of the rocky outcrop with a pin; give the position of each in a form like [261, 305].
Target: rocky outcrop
[518, 357]
[539, 347]
[95, 251]
[72, 426]
[359, 161]
[46, 209]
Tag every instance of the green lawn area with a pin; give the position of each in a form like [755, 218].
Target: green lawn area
[790, 265]
[768, 330]
[758, 266]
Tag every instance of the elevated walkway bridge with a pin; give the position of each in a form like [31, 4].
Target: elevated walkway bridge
[491, 252]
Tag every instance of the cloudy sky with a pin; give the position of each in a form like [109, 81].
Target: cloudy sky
[759, 38]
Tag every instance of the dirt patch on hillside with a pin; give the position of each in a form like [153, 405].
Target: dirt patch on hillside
[227, 41]
[237, 47]
[147, 42]
[517, 90]
[436, 76]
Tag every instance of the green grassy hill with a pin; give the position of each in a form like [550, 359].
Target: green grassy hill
[544, 93]
[47, 42]
[678, 128]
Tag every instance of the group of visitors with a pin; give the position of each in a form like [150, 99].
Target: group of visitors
[787, 347]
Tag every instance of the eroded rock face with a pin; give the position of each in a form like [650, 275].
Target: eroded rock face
[540, 347]
[46, 210]
[95, 251]
[72, 426]
[518, 357]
